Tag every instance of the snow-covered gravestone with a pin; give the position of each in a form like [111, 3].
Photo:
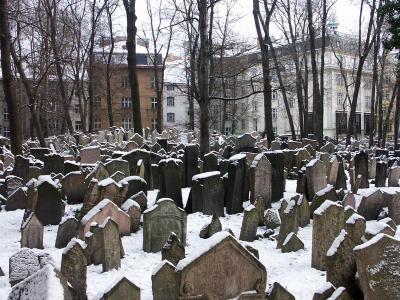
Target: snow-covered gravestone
[333, 170]
[13, 183]
[361, 168]
[261, 174]
[211, 271]
[208, 193]
[135, 184]
[17, 200]
[49, 205]
[235, 194]
[90, 155]
[32, 233]
[132, 209]
[277, 160]
[212, 228]
[45, 284]
[100, 213]
[378, 267]
[251, 217]
[74, 187]
[53, 163]
[316, 177]
[114, 165]
[210, 162]
[173, 250]
[371, 204]
[394, 175]
[73, 267]
[289, 220]
[122, 289]
[68, 229]
[172, 171]
[110, 242]
[328, 221]
[158, 223]
[381, 173]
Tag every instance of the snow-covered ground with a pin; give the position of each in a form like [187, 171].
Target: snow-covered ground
[291, 270]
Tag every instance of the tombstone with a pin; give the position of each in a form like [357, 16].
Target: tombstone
[378, 267]
[21, 168]
[171, 180]
[73, 268]
[340, 262]
[371, 204]
[276, 158]
[117, 176]
[394, 176]
[374, 228]
[32, 233]
[355, 227]
[271, 219]
[341, 177]
[243, 269]
[53, 163]
[316, 177]
[380, 175]
[289, 221]
[110, 242]
[13, 183]
[173, 250]
[123, 289]
[292, 243]
[260, 180]
[90, 155]
[158, 223]
[100, 213]
[278, 292]
[67, 230]
[332, 172]
[119, 164]
[141, 199]
[17, 200]
[49, 207]
[135, 184]
[361, 167]
[133, 210]
[210, 162]
[245, 143]
[327, 193]
[235, 193]
[74, 187]
[210, 229]
[46, 283]
[208, 193]
[324, 292]
[248, 231]
[328, 221]
[191, 163]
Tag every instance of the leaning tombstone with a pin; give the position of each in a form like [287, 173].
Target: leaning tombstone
[67, 230]
[316, 177]
[173, 250]
[32, 233]
[210, 229]
[248, 231]
[110, 242]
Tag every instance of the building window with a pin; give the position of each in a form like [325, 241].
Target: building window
[367, 101]
[243, 105]
[275, 130]
[339, 97]
[274, 95]
[97, 124]
[153, 82]
[339, 80]
[126, 123]
[126, 102]
[255, 124]
[6, 131]
[367, 124]
[170, 117]
[6, 114]
[154, 103]
[170, 87]
[97, 101]
[77, 108]
[243, 124]
[78, 125]
[170, 101]
[124, 81]
[255, 105]
[153, 124]
[53, 125]
[274, 114]
[228, 130]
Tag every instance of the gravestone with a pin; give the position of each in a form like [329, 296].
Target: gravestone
[208, 193]
[328, 222]
[380, 175]
[171, 180]
[378, 267]
[74, 187]
[110, 242]
[276, 158]
[248, 231]
[173, 250]
[191, 163]
[316, 177]
[53, 163]
[271, 219]
[21, 168]
[67, 230]
[292, 243]
[135, 184]
[123, 289]
[210, 162]
[210, 229]
[132, 209]
[17, 200]
[361, 167]
[73, 268]
[278, 292]
[13, 183]
[90, 155]
[371, 204]
[141, 199]
[289, 220]
[32, 233]
[158, 223]
[235, 193]
[260, 180]
[394, 176]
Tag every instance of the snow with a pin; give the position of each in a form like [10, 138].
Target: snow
[375, 227]
[337, 293]
[236, 157]
[372, 241]
[324, 190]
[91, 213]
[336, 243]
[108, 181]
[205, 175]
[287, 239]
[324, 206]
[353, 218]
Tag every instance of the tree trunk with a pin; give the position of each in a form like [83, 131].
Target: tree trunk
[389, 112]
[131, 18]
[9, 92]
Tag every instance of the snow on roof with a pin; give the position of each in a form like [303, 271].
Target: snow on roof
[324, 206]
[205, 175]
[336, 243]
[120, 48]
